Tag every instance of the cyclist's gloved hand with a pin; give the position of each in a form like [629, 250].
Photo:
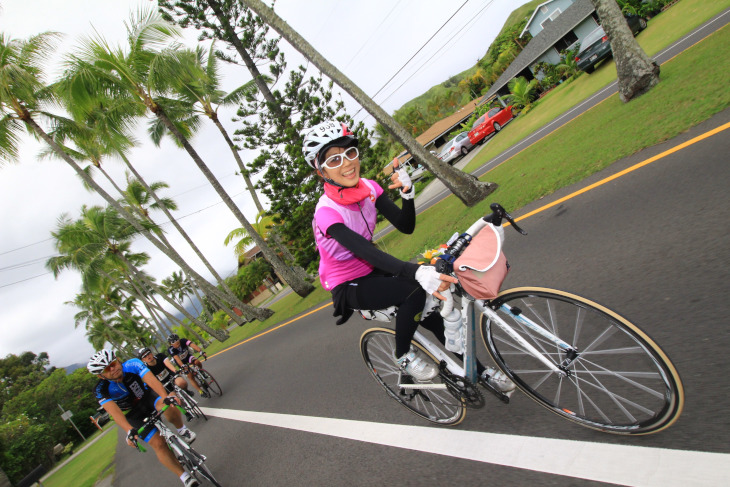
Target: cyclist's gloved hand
[170, 400]
[131, 436]
[432, 281]
[402, 180]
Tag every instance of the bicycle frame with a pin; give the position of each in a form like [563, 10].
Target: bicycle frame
[468, 369]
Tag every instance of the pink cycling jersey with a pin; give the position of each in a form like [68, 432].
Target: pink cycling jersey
[337, 264]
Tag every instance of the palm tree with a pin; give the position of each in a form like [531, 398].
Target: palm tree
[263, 227]
[522, 92]
[138, 195]
[178, 287]
[467, 188]
[144, 75]
[204, 93]
[99, 240]
[23, 94]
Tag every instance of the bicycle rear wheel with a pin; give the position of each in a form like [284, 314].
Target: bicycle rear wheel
[212, 384]
[621, 382]
[377, 346]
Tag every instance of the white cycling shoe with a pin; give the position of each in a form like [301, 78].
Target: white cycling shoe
[498, 380]
[417, 366]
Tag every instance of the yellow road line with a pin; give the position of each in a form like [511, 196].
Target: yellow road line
[271, 329]
[628, 170]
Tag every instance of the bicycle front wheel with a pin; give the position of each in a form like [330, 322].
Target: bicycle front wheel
[212, 384]
[191, 405]
[192, 461]
[620, 381]
[377, 346]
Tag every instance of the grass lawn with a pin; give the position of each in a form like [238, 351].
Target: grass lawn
[86, 469]
[693, 87]
[663, 30]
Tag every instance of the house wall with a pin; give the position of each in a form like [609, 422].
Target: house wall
[536, 25]
[551, 55]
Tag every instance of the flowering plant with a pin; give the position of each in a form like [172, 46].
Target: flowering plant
[430, 256]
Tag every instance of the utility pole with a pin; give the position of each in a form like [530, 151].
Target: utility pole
[66, 416]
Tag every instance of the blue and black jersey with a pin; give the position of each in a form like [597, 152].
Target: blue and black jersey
[129, 391]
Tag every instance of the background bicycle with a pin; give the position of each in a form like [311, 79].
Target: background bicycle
[206, 379]
[192, 461]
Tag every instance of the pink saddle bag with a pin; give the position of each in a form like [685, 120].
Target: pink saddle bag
[482, 266]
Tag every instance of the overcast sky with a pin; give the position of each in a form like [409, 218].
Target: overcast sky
[369, 41]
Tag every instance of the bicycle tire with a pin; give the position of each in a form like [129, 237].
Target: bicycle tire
[212, 384]
[192, 461]
[377, 346]
[642, 396]
[191, 405]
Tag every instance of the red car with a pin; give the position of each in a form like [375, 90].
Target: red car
[492, 121]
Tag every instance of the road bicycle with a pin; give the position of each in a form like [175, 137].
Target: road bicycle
[192, 461]
[573, 356]
[188, 402]
[205, 379]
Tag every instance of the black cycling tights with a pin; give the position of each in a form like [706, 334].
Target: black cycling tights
[376, 291]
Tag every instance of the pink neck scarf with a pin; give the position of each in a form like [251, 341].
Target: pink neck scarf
[347, 196]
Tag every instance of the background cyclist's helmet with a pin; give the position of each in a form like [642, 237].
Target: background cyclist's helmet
[323, 136]
[143, 351]
[99, 361]
[173, 338]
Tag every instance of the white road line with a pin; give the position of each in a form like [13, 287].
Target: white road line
[617, 464]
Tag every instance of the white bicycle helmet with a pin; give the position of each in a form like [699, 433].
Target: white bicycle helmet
[323, 136]
[99, 361]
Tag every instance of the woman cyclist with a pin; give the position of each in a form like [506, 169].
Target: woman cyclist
[358, 274]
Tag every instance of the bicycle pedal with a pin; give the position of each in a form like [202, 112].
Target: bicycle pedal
[501, 395]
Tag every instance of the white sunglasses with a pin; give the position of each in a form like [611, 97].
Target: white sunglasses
[335, 161]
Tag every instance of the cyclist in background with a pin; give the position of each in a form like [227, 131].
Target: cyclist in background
[129, 392]
[160, 365]
[180, 352]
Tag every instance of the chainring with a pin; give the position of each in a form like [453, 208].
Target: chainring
[462, 388]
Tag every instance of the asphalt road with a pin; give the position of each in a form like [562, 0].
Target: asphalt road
[299, 407]
[653, 244]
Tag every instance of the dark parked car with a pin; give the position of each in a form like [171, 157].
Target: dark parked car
[490, 122]
[596, 47]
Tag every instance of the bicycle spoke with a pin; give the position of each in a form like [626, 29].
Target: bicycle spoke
[619, 381]
[436, 405]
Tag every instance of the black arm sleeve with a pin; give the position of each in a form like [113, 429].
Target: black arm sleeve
[365, 249]
[403, 219]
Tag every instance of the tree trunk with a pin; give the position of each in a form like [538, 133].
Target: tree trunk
[220, 335]
[259, 313]
[241, 167]
[637, 73]
[246, 312]
[248, 61]
[298, 285]
[465, 186]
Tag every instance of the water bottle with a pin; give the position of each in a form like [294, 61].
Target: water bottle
[453, 331]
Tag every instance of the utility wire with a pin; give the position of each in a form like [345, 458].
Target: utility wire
[419, 50]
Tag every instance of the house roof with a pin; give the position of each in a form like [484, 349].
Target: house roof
[442, 127]
[546, 39]
[537, 9]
